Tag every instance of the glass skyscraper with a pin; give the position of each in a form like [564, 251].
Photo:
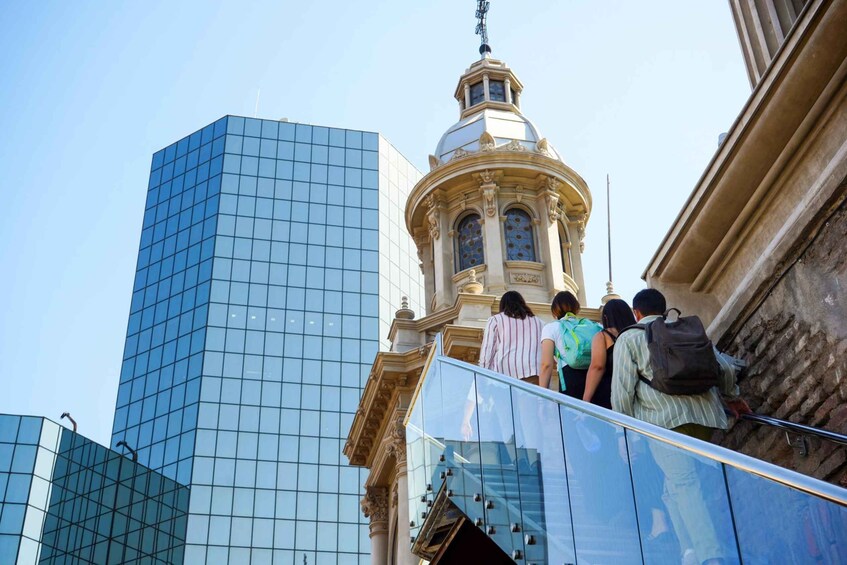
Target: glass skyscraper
[272, 258]
[66, 499]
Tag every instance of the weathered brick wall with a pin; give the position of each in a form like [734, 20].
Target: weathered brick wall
[796, 345]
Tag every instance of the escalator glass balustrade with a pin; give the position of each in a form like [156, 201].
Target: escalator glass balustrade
[549, 479]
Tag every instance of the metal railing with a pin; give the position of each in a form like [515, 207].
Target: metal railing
[795, 428]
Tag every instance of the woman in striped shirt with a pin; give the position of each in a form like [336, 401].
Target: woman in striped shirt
[512, 338]
[511, 346]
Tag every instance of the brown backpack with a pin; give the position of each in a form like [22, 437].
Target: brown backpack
[681, 355]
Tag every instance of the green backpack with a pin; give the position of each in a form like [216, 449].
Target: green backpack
[577, 334]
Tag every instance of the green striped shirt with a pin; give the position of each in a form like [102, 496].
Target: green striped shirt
[634, 398]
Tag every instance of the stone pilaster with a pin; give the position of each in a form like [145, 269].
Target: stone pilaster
[375, 506]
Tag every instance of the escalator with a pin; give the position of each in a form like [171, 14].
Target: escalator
[505, 471]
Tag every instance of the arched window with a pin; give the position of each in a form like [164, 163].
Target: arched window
[469, 250]
[520, 244]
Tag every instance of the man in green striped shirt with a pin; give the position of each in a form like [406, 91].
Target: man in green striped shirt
[696, 415]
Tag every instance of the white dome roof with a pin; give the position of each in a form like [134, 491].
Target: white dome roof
[503, 125]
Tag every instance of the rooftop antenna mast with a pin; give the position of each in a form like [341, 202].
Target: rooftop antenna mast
[609, 225]
[482, 27]
[610, 289]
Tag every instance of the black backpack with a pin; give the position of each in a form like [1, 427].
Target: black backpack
[681, 355]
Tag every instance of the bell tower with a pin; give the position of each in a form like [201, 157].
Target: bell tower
[499, 209]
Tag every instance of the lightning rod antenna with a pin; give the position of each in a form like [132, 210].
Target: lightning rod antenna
[482, 27]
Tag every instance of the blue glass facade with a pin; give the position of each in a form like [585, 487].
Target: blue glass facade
[272, 259]
[66, 499]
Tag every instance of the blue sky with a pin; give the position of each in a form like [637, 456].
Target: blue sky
[89, 90]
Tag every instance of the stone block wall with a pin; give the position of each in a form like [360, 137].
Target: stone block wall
[796, 347]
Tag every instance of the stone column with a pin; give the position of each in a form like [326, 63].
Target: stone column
[442, 252]
[507, 85]
[375, 507]
[576, 231]
[495, 276]
[400, 498]
[549, 233]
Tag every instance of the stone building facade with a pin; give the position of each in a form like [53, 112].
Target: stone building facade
[759, 248]
[499, 210]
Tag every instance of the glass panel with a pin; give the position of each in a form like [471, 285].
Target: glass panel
[469, 243]
[682, 503]
[499, 463]
[520, 244]
[542, 479]
[777, 524]
[497, 91]
[605, 526]
[477, 93]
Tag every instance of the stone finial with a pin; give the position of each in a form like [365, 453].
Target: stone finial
[610, 294]
[473, 286]
[404, 313]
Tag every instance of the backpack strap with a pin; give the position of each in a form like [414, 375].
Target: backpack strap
[649, 331]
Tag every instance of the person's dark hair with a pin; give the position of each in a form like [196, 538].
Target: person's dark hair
[650, 302]
[617, 314]
[563, 303]
[514, 306]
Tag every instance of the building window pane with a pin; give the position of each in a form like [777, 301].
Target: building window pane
[497, 92]
[477, 93]
[520, 245]
[469, 243]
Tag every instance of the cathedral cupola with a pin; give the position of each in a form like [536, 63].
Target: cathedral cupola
[499, 204]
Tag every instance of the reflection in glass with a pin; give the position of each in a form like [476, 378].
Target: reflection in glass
[601, 493]
[693, 498]
[815, 531]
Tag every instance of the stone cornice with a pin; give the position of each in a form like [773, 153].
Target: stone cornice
[756, 148]
[391, 373]
[455, 177]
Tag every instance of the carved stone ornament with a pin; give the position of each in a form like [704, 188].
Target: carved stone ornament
[552, 200]
[458, 154]
[580, 230]
[488, 188]
[396, 442]
[432, 216]
[434, 162]
[514, 145]
[542, 146]
[526, 278]
[486, 142]
[375, 504]
[518, 193]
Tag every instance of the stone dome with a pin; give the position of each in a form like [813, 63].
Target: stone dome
[503, 125]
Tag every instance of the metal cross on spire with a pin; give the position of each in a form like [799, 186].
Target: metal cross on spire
[481, 27]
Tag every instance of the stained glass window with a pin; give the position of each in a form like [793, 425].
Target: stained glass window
[469, 242]
[519, 241]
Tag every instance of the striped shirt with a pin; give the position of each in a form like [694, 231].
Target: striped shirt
[512, 346]
[634, 398]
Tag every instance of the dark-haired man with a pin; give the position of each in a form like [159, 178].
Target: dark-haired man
[696, 415]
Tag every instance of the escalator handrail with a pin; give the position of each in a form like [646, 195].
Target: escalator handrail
[708, 450]
[794, 427]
